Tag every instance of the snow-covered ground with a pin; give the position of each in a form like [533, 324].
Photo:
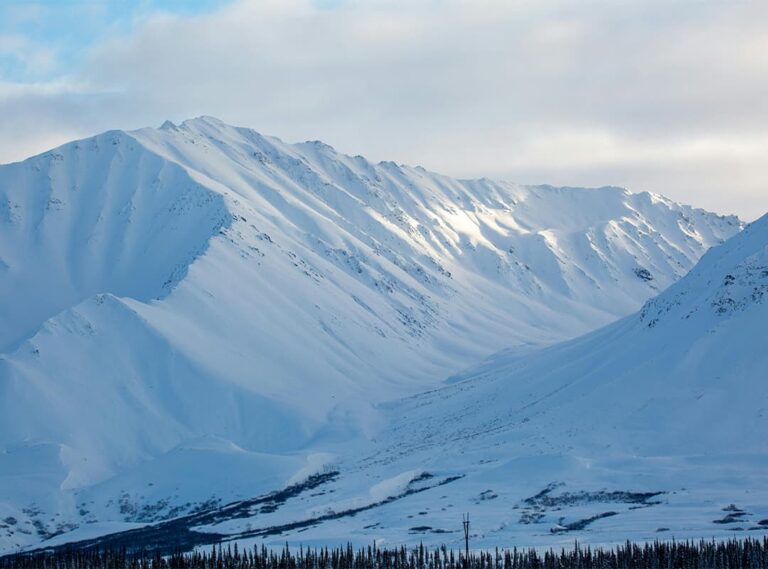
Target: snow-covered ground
[198, 314]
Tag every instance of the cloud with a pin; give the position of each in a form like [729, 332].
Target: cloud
[28, 55]
[666, 96]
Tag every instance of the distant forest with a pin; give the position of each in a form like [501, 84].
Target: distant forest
[732, 554]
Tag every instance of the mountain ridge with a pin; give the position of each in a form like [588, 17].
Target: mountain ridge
[205, 282]
[646, 429]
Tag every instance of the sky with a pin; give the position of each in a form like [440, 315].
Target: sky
[669, 96]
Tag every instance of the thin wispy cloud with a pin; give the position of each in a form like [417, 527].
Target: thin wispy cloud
[661, 96]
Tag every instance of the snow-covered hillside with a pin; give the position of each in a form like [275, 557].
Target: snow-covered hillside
[201, 298]
[649, 428]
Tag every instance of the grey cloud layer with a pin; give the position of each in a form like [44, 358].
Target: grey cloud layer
[665, 96]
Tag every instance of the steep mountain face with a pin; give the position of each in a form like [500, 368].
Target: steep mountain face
[201, 295]
[683, 376]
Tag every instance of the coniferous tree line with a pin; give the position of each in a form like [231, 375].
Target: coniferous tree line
[732, 554]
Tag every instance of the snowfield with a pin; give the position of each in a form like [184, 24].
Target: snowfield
[199, 315]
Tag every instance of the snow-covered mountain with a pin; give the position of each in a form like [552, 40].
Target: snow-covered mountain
[686, 375]
[201, 298]
[649, 428]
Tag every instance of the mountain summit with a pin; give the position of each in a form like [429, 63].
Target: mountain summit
[201, 294]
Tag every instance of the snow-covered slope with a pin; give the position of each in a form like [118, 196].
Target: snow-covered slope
[204, 291]
[652, 427]
[686, 375]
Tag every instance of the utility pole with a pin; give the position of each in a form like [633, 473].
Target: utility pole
[465, 523]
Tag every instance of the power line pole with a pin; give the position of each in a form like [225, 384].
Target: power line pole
[465, 523]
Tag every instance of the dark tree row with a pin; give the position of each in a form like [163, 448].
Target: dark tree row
[733, 554]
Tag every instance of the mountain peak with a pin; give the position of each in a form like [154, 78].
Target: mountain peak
[206, 120]
[168, 125]
[287, 287]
